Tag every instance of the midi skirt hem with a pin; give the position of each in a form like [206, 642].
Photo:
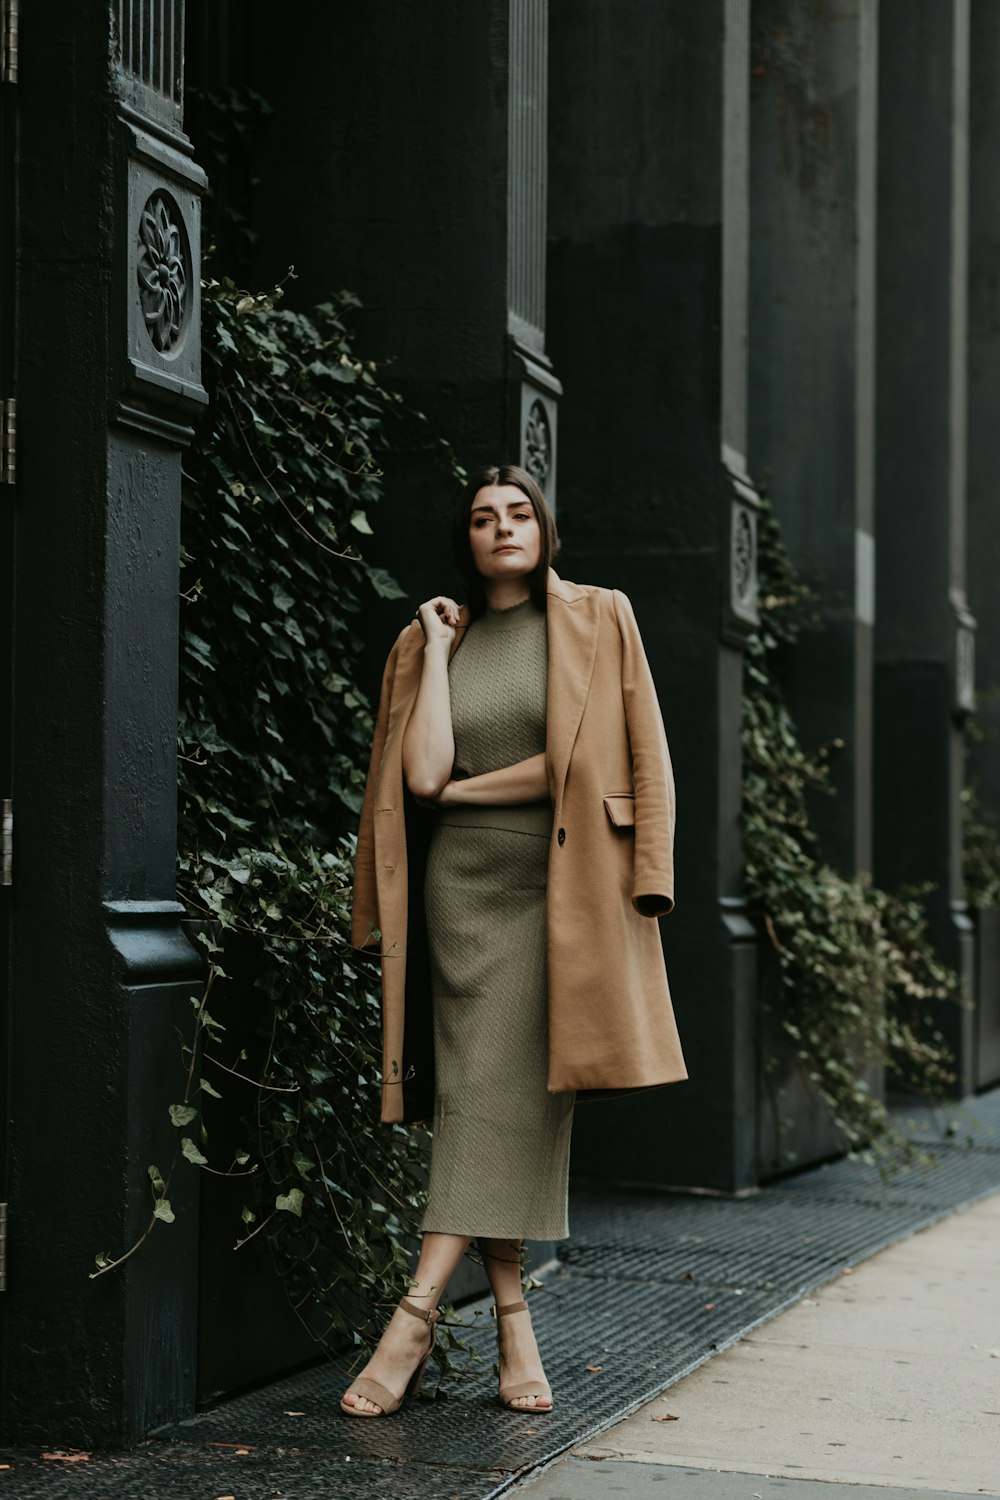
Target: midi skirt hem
[499, 1231]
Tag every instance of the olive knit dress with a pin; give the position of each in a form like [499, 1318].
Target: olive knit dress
[500, 1153]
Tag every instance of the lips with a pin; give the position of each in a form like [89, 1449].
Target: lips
[506, 549]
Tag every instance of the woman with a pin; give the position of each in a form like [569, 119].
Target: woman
[517, 828]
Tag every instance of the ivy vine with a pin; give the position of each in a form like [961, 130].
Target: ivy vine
[279, 492]
[854, 973]
[980, 849]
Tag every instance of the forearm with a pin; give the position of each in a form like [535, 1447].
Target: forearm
[429, 745]
[525, 781]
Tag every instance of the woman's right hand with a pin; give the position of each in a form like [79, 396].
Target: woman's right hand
[438, 618]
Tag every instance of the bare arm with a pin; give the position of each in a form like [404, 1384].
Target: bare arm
[525, 781]
[428, 744]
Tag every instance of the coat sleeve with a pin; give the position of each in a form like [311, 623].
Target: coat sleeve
[364, 906]
[652, 774]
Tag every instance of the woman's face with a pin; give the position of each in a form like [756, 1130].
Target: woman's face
[504, 533]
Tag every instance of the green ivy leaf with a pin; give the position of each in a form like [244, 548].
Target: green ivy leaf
[182, 1114]
[290, 1202]
[384, 584]
[163, 1211]
[191, 1152]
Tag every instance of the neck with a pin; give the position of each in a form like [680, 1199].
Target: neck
[502, 593]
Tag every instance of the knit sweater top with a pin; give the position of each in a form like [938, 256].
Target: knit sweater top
[497, 680]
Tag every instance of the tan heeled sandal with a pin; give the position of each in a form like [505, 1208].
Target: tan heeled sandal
[371, 1390]
[508, 1394]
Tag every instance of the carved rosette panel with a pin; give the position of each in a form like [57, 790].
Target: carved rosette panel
[161, 387]
[744, 559]
[163, 272]
[740, 613]
[965, 665]
[537, 444]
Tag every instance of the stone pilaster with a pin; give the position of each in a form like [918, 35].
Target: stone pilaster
[924, 629]
[813, 134]
[647, 323]
[983, 551]
[108, 384]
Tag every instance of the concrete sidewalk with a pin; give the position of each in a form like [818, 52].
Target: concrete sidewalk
[887, 1380]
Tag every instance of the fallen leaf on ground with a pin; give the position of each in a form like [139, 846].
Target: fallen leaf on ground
[594, 1369]
[710, 1307]
[68, 1458]
[242, 1452]
[848, 1271]
[240, 1447]
[995, 1354]
[668, 1416]
[4, 1466]
[294, 1413]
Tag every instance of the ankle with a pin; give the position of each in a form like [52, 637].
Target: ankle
[425, 1310]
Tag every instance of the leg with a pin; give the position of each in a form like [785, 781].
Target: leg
[405, 1338]
[519, 1358]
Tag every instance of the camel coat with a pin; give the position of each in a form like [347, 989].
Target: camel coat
[610, 870]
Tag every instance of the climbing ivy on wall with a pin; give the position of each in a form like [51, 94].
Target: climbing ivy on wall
[980, 849]
[854, 973]
[282, 488]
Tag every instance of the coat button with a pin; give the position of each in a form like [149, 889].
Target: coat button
[561, 835]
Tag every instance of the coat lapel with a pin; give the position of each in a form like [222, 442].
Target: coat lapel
[573, 627]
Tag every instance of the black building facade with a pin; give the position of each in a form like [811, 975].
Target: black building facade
[664, 256]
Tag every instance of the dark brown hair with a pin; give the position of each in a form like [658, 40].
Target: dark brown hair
[475, 594]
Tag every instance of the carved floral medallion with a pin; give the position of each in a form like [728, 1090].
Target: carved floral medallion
[163, 272]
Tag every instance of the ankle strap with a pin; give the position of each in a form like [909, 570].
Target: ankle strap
[426, 1314]
[511, 1307]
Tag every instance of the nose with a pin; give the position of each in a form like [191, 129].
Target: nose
[504, 527]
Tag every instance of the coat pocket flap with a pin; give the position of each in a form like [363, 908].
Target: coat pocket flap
[621, 809]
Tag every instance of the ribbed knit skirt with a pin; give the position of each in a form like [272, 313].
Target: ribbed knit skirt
[500, 1152]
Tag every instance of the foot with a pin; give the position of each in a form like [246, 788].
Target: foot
[400, 1349]
[520, 1362]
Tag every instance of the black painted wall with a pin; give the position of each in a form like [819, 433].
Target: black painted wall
[384, 170]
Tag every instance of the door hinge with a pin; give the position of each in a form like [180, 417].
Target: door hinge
[7, 843]
[8, 20]
[3, 1247]
[8, 440]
